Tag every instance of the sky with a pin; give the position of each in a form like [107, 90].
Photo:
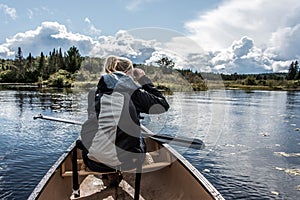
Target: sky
[225, 36]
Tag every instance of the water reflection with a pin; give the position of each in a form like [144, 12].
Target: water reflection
[247, 137]
[292, 97]
[29, 147]
[57, 100]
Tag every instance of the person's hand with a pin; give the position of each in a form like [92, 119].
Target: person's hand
[138, 73]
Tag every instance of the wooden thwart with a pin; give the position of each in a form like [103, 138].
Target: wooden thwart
[84, 171]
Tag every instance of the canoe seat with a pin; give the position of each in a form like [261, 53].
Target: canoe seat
[152, 166]
[84, 171]
[79, 169]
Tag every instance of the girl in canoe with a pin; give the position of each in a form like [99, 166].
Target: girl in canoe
[111, 137]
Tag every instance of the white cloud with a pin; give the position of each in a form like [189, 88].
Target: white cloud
[150, 44]
[54, 35]
[87, 20]
[185, 52]
[44, 38]
[133, 5]
[280, 66]
[244, 57]
[39, 12]
[92, 29]
[285, 42]
[11, 12]
[249, 36]
[4, 48]
[257, 19]
[123, 44]
[30, 13]
[242, 47]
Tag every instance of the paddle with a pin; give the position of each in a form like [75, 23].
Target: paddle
[180, 141]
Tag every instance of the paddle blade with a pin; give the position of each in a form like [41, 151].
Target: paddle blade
[179, 141]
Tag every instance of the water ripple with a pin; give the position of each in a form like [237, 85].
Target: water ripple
[251, 139]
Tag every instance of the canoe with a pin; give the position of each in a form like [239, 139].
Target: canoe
[168, 175]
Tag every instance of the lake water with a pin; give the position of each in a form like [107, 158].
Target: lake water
[252, 138]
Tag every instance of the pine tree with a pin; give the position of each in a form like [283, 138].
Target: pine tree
[42, 65]
[60, 61]
[19, 63]
[73, 60]
[29, 62]
[19, 55]
[297, 76]
[52, 63]
[292, 71]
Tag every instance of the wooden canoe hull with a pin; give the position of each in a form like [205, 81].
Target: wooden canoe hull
[171, 176]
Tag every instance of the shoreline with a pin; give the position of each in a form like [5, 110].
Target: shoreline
[212, 86]
[266, 88]
[232, 85]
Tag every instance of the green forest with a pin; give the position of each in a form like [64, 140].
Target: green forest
[66, 69]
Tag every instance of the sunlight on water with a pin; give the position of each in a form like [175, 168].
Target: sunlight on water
[295, 172]
[242, 158]
[252, 139]
[287, 154]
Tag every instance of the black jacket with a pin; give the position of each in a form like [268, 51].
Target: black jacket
[118, 104]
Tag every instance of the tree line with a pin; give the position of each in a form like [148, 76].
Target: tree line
[59, 69]
[279, 81]
[37, 69]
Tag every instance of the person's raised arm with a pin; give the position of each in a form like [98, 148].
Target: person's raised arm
[148, 99]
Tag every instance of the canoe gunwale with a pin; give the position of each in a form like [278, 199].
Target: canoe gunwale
[195, 173]
[42, 184]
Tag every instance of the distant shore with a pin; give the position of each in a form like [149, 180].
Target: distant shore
[232, 85]
[228, 85]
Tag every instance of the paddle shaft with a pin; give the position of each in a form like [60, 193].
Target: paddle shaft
[181, 141]
[40, 116]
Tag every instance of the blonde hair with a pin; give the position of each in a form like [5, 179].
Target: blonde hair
[114, 63]
[110, 64]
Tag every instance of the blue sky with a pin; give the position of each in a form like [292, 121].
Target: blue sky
[109, 16]
[217, 35]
